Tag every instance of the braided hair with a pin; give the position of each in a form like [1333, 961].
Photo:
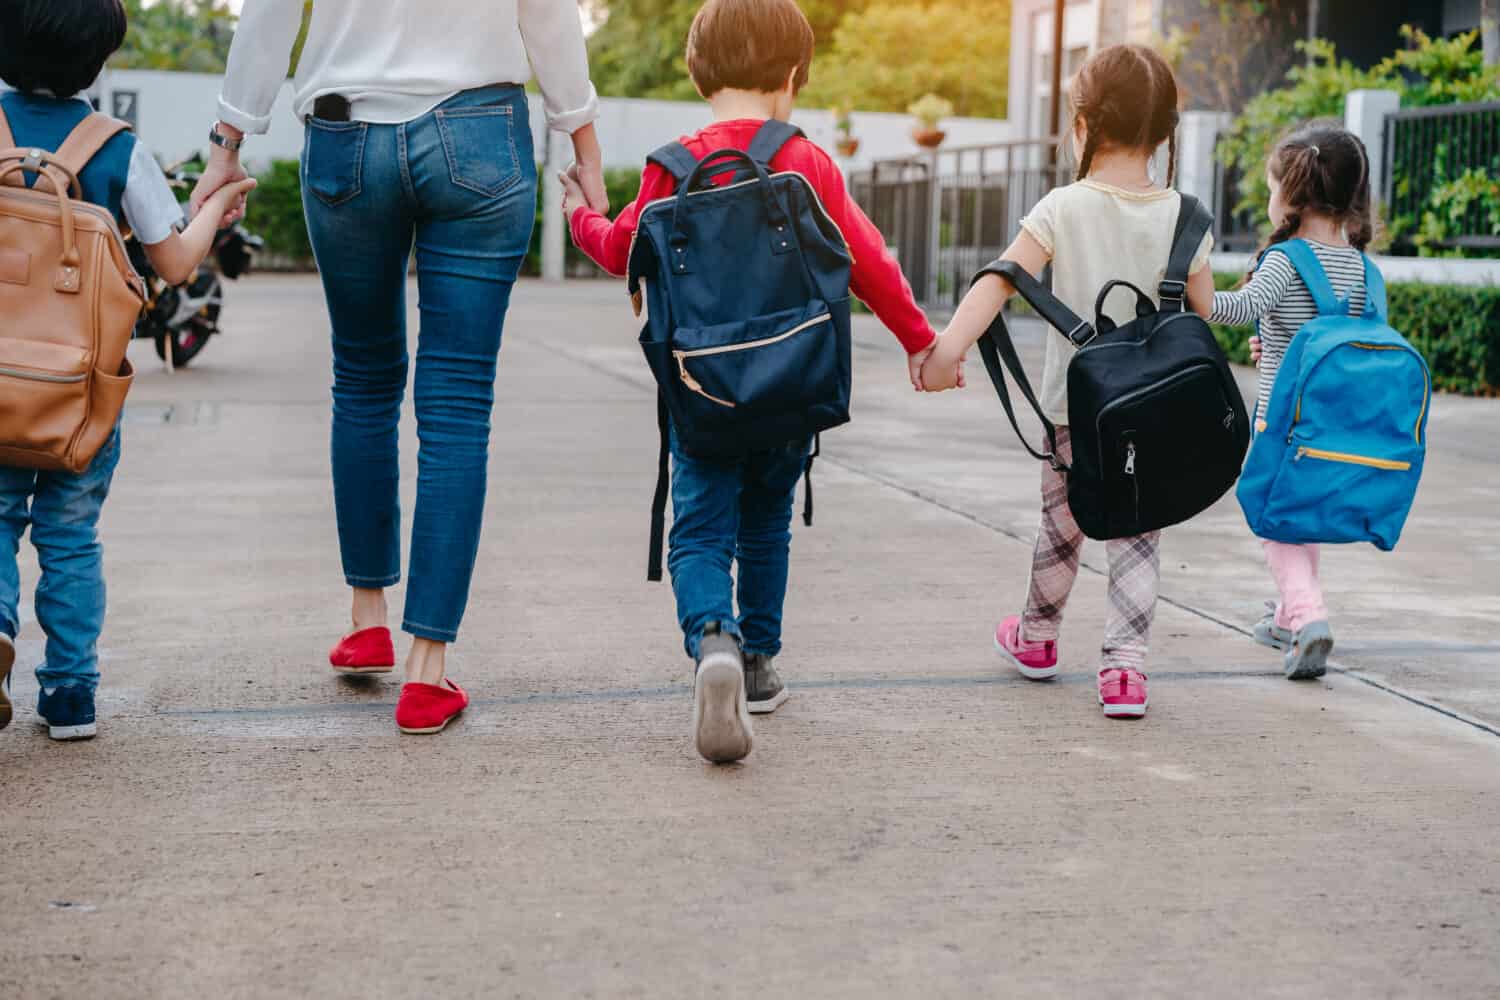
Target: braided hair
[1126, 95]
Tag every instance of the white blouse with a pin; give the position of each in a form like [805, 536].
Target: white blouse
[395, 60]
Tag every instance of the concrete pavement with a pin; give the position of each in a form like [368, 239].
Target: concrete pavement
[916, 820]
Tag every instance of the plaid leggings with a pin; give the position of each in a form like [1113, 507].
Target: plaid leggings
[1134, 574]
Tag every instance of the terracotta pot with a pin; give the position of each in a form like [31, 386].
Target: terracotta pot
[928, 138]
[848, 147]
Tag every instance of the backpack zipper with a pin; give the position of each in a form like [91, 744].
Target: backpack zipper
[704, 352]
[41, 376]
[1114, 404]
[1343, 456]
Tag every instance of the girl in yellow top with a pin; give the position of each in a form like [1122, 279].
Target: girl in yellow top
[1115, 221]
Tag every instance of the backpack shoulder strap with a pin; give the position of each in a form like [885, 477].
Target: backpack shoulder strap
[676, 160]
[1310, 270]
[87, 139]
[1193, 223]
[1375, 303]
[769, 140]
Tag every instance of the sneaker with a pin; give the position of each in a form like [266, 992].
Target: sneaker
[764, 692]
[7, 660]
[721, 714]
[1122, 692]
[68, 712]
[368, 651]
[1037, 661]
[428, 708]
[1308, 657]
[1268, 633]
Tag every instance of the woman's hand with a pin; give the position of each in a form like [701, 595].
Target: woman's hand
[573, 196]
[223, 168]
[588, 169]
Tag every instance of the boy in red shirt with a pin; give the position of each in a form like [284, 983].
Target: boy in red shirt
[749, 59]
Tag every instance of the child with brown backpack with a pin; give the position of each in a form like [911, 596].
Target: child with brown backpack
[69, 298]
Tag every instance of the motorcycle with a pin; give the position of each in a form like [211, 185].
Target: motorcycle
[180, 319]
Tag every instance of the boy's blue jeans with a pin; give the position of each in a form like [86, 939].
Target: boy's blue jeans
[733, 511]
[62, 510]
[460, 182]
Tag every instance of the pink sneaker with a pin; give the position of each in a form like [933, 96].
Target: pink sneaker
[1037, 661]
[1122, 692]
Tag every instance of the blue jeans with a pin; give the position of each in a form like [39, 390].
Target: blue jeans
[733, 511]
[62, 510]
[460, 181]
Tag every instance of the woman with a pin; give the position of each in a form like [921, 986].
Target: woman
[416, 132]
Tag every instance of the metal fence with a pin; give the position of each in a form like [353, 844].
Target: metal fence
[950, 212]
[1430, 149]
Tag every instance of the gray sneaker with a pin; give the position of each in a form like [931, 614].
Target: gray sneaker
[1268, 633]
[763, 687]
[1309, 654]
[721, 716]
[7, 660]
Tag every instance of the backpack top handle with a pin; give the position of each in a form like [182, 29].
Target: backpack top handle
[68, 279]
[782, 232]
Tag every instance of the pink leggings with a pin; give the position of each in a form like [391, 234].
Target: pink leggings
[1295, 569]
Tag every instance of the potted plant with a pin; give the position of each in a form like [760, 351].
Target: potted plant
[929, 112]
[843, 123]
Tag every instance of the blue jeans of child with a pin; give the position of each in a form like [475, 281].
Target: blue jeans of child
[460, 183]
[62, 510]
[733, 512]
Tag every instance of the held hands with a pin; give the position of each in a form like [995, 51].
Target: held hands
[223, 168]
[1255, 351]
[573, 192]
[942, 367]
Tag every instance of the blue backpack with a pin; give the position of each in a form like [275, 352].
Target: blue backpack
[747, 293]
[1339, 451]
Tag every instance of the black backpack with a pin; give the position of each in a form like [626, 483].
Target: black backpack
[1158, 423]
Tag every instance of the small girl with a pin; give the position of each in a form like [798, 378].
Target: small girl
[1319, 177]
[1115, 221]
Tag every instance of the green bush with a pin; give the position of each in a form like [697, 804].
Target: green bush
[275, 212]
[1456, 327]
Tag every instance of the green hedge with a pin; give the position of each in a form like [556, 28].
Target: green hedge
[1456, 327]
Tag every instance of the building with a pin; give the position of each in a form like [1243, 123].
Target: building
[1221, 64]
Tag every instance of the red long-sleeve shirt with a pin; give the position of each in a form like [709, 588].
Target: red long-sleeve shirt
[876, 278]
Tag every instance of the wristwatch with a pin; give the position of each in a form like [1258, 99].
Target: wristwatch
[233, 145]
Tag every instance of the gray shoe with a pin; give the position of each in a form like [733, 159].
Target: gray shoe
[763, 688]
[1309, 654]
[721, 716]
[7, 660]
[1268, 633]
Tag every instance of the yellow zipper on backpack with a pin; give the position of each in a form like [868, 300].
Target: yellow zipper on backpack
[1343, 456]
[704, 352]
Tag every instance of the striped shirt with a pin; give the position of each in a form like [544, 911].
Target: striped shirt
[1276, 296]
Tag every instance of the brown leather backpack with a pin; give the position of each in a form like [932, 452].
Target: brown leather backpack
[69, 299]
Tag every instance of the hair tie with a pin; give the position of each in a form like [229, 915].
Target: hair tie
[1315, 150]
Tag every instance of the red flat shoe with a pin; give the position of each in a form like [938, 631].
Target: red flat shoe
[428, 708]
[368, 651]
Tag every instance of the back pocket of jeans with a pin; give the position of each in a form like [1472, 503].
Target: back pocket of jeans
[481, 147]
[334, 160]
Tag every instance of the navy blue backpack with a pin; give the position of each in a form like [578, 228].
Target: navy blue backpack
[747, 295]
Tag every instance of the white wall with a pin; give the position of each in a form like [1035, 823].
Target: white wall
[175, 110]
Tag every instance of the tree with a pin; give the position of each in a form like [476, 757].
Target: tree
[188, 35]
[1231, 50]
[892, 53]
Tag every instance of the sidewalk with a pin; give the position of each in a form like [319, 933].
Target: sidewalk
[916, 820]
